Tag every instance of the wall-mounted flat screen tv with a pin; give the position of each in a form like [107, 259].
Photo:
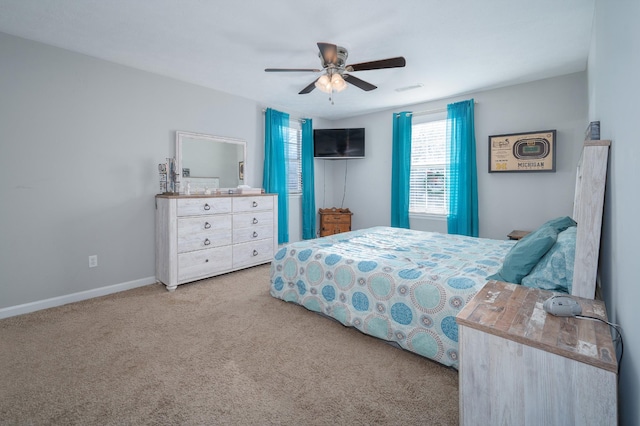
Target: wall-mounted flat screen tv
[338, 144]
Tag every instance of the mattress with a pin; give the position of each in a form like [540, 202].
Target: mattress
[399, 285]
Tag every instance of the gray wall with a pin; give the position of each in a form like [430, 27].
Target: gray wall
[81, 139]
[506, 201]
[614, 61]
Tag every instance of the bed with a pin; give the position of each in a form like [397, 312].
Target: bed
[406, 287]
[399, 285]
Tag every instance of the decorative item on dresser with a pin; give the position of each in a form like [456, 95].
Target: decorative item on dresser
[521, 365]
[334, 221]
[201, 236]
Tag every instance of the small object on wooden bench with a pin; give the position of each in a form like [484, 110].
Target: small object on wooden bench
[521, 365]
[334, 221]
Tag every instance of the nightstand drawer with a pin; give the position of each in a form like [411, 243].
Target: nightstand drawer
[334, 218]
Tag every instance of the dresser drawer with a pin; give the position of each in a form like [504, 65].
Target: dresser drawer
[248, 204]
[203, 206]
[247, 220]
[200, 232]
[252, 253]
[203, 263]
[243, 235]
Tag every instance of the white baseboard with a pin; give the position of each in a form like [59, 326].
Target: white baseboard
[73, 297]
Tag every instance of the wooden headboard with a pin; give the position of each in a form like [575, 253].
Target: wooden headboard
[587, 212]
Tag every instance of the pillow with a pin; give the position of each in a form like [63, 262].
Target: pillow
[560, 223]
[525, 254]
[555, 270]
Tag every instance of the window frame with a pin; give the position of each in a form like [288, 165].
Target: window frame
[294, 131]
[418, 120]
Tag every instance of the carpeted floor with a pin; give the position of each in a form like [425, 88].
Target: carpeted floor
[218, 351]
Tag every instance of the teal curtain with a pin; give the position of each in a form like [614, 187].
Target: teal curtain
[400, 169]
[308, 182]
[462, 175]
[274, 177]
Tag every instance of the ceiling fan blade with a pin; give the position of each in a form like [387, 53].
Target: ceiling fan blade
[329, 53]
[358, 83]
[291, 70]
[397, 62]
[309, 88]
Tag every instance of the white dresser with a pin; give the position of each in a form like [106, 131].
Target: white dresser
[201, 236]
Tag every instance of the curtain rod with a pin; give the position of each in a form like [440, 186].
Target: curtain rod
[301, 120]
[431, 111]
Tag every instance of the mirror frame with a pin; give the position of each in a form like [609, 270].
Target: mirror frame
[212, 138]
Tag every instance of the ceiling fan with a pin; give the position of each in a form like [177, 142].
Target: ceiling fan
[335, 76]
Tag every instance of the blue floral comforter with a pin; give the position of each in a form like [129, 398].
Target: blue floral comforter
[396, 284]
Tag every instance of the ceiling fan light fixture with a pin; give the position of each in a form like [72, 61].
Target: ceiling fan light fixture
[337, 83]
[327, 84]
[324, 84]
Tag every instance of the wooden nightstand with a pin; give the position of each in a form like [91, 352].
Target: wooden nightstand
[517, 234]
[334, 221]
[520, 365]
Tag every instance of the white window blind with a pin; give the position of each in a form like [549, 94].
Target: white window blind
[428, 168]
[293, 157]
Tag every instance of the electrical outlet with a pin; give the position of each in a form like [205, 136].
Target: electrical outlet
[93, 261]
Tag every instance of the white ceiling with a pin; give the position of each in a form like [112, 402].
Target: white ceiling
[452, 47]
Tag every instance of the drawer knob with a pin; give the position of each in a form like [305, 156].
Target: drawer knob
[255, 234]
[207, 225]
[207, 206]
[255, 220]
[207, 242]
[206, 261]
[255, 204]
[255, 252]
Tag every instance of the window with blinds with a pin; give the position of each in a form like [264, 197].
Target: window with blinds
[293, 157]
[428, 168]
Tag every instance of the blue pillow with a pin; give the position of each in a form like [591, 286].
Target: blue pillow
[555, 270]
[560, 223]
[525, 254]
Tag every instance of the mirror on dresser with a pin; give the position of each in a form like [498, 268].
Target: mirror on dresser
[206, 162]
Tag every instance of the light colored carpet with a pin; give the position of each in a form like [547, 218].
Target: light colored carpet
[218, 351]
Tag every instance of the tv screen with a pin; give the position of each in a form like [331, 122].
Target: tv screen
[338, 143]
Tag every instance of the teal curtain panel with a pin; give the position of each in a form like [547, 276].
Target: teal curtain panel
[274, 177]
[401, 170]
[462, 176]
[308, 182]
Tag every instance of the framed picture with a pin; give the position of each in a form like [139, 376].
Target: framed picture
[241, 170]
[523, 152]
